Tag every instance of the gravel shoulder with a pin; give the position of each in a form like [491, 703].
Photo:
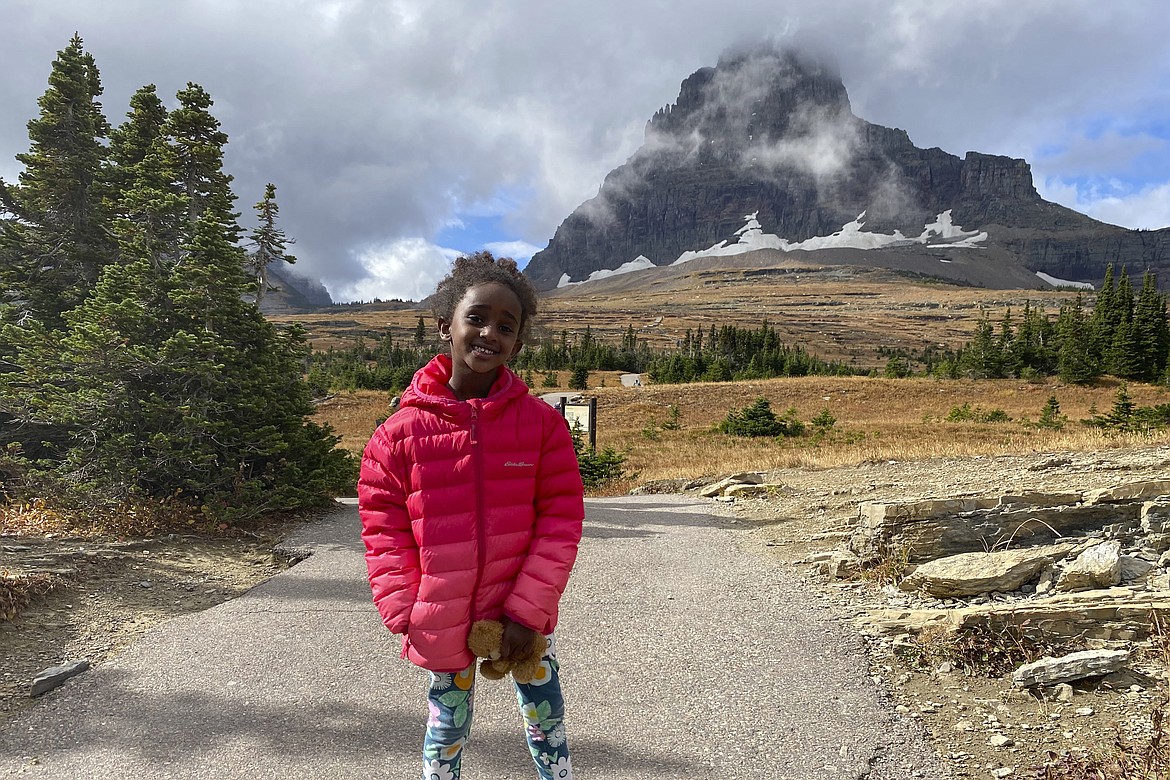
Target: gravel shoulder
[959, 712]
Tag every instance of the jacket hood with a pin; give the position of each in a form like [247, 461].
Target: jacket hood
[429, 389]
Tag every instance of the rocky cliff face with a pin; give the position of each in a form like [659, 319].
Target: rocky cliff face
[293, 293]
[772, 134]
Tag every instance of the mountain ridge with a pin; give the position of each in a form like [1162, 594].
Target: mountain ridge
[771, 135]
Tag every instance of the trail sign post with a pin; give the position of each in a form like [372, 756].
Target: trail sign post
[583, 414]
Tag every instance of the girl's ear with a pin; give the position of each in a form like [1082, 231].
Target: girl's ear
[516, 349]
[444, 329]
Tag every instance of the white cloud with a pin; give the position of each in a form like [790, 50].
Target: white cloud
[380, 121]
[520, 251]
[407, 269]
[1145, 207]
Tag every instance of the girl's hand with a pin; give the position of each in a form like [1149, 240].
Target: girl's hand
[517, 642]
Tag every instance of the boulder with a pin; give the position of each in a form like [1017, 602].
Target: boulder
[969, 574]
[1074, 666]
[1134, 569]
[743, 478]
[1155, 516]
[1097, 567]
[840, 565]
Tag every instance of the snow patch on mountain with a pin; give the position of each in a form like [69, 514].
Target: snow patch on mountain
[1064, 282]
[640, 263]
[942, 233]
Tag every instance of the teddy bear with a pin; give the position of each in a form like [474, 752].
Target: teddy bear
[484, 640]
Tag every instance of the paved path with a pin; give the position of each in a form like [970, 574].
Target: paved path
[683, 656]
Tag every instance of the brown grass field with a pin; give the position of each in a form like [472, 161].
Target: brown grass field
[876, 420]
[836, 312]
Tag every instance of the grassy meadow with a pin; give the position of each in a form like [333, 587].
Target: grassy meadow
[876, 419]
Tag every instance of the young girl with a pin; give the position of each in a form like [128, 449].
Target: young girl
[471, 505]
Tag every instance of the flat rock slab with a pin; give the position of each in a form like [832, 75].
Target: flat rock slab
[969, 574]
[56, 675]
[1067, 668]
[1134, 491]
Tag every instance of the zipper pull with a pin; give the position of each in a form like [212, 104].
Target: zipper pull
[474, 425]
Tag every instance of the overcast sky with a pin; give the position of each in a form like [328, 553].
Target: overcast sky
[401, 133]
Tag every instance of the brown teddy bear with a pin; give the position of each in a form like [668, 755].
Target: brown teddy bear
[484, 640]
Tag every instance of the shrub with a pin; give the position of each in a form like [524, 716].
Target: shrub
[968, 413]
[597, 468]
[824, 420]
[759, 420]
[1050, 416]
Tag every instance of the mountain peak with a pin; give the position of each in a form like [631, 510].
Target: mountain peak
[770, 133]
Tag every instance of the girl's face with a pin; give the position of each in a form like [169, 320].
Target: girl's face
[484, 333]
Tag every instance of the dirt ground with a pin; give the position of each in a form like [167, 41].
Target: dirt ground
[111, 592]
[962, 713]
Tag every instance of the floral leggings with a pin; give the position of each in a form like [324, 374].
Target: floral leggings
[450, 702]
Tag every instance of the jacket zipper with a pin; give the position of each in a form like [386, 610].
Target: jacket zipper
[477, 462]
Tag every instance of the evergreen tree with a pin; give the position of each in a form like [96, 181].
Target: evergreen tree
[983, 357]
[167, 380]
[53, 242]
[141, 191]
[1121, 357]
[1106, 316]
[1075, 363]
[269, 242]
[1150, 335]
[131, 144]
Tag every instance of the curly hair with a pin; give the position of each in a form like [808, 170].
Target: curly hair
[482, 268]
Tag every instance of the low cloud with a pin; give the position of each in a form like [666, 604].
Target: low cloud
[380, 122]
[1141, 208]
[407, 269]
[520, 251]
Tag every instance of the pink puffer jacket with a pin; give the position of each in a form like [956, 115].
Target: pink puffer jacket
[470, 510]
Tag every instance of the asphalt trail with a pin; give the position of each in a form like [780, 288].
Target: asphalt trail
[684, 654]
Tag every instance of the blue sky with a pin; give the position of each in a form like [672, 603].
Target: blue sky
[400, 133]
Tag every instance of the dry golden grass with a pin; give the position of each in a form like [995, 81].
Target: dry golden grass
[876, 420]
[18, 590]
[833, 311]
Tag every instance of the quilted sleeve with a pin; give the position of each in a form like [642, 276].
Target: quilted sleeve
[560, 510]
[391, 550]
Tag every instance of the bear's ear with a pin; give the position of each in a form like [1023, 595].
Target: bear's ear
[484, 638]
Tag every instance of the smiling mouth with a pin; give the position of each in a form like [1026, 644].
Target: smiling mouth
[485, 351]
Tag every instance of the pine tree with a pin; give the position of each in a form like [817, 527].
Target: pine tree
[1150, 333]
[983, 358]
[168, 381]
[131, 144]
[140, 188]
[1075, 363]
[53, 243]
[1106, 316]
[269, 242]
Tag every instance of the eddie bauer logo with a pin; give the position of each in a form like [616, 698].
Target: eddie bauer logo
[518, 464]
